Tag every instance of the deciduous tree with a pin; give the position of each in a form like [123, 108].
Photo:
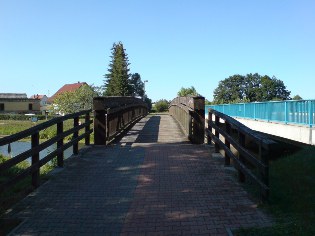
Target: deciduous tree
[74, 101]
[184, 92]
[230, 89]
[250, 88]
[161, 105]
[297, 97]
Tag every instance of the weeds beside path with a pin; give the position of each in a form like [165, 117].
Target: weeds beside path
[292, 195]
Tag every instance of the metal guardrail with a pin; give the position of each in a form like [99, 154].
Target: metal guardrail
[301, 112]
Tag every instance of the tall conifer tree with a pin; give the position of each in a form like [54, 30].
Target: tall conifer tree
[117, 81]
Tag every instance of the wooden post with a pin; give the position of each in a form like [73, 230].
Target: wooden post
[99, 122]
[134, 113]
[264, 174]
[209, 127]
[87, 128]
[227, 143]
[198, 120]
[190, 126]
[216, 133]
[35, 159]
[241, 175]
[60, 144]
[75, 135]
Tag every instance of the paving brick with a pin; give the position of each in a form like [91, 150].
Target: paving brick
[153, 182]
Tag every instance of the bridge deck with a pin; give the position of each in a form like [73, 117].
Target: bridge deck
[152, 183]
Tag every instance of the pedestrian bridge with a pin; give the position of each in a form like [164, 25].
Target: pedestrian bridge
[159, 178]
[292, 119]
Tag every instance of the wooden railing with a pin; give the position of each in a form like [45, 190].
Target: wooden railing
[249, 150]
[190, 114]
[113, 115]
[36, 146]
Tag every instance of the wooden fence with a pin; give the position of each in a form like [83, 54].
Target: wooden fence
[113, 115]
[36, 146]
[248, 149]
[190, 113]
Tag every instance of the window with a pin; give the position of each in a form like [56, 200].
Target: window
[1, 106]
[30, 106]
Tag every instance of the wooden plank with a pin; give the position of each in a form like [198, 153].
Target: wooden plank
[100, 127]
[249, 156]
[28, 132]
[103, 103]
[76, 128]
[227, 143]
[240, 165]
[241, 157]
[60, 156]
[87, 128]
[35, 159]
[257, 137]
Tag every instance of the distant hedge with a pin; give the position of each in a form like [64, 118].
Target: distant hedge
[22, 117]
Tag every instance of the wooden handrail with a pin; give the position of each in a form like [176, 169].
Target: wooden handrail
[113, 116]
[190, 114]
[266, 142]
[36, 146]
[28, 132]
[245, 160]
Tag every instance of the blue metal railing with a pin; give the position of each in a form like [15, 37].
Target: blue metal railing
[301, 112]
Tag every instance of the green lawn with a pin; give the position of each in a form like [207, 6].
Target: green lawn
[9, 127]
[292, 195]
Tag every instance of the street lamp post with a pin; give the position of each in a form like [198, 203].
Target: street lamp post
[145, 81]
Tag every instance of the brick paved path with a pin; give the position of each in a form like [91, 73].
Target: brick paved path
[151, 183]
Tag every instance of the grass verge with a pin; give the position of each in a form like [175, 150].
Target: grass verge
[292, 196]
[9, 127]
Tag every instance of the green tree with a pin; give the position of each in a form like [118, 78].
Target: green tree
[148, 101]
[98, 90]
[74, 101]
[117, 80]
[273, 89]
[297, 97]
[230, 89]
[184, 92]
[137, 85]
[207, 102]
[250, 88]
[161, 105]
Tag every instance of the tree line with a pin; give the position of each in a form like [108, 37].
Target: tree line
[118, 82]
[246, 88]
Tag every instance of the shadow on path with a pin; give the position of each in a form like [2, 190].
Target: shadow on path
[92, 195]
[152, 183]
[150, 131]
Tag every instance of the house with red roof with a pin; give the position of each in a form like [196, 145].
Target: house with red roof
[43, 102]
[66, 88]
[63, 89]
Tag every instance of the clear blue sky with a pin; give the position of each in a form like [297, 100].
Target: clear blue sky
[170, 43]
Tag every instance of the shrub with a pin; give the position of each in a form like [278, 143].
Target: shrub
[161, 105]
